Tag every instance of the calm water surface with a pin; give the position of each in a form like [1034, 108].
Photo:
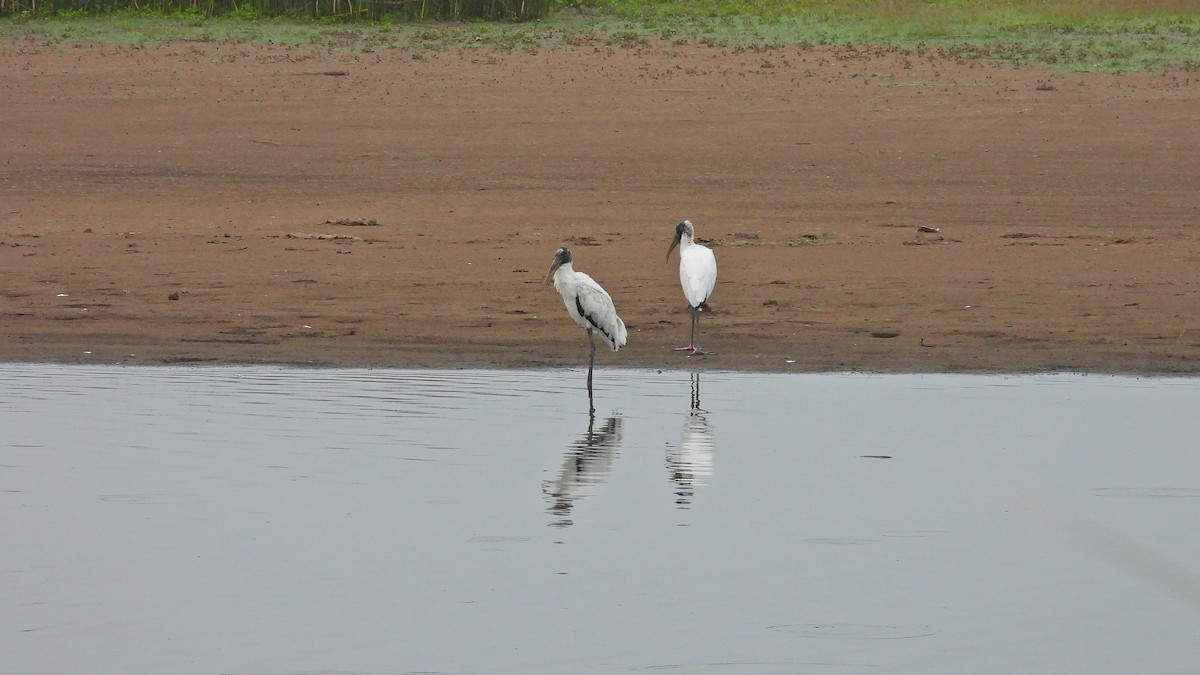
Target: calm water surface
[268, 520]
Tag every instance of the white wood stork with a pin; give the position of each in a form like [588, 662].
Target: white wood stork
[697, 275]
[590, 306]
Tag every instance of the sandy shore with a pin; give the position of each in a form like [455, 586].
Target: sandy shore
[241, 203]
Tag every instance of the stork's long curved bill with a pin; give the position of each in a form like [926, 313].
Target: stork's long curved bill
[674, 243]
[553, 269]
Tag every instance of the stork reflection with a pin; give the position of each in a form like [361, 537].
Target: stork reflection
[586, 464]
[691, 462]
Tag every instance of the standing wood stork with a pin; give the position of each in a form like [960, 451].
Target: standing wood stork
[697, 274]
[590, 306]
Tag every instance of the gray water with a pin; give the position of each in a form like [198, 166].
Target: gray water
[269, 520]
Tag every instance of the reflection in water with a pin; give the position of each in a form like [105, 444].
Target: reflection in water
[591, 402]
[691, 462]
[696, 392]
[282, 497]
[586, 464]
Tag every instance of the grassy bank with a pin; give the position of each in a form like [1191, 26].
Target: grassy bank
[1081, 35]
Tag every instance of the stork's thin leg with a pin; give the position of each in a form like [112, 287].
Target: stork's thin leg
[591, 366]
[692, 346]
[696, 325]
[691, 343]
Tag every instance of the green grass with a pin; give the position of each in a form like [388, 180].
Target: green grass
[1068, 34]
[1083, 35]
[315, 10]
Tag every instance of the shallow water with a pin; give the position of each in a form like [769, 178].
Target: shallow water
[268, 520]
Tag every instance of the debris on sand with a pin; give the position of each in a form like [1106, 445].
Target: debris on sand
[323, 236]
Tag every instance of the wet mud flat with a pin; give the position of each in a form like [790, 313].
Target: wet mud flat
[873, 210]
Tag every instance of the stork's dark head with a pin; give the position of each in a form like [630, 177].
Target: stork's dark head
[683, 228]
[561, 257]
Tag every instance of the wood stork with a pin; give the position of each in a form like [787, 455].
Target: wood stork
[590, 306]
[697, 275]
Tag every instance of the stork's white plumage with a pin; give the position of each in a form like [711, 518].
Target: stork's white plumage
[588, 304]
[697, 275]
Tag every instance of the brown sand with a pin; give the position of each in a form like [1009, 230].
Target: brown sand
[179, 204]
